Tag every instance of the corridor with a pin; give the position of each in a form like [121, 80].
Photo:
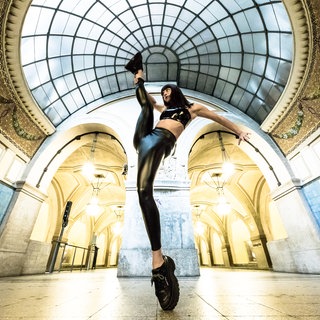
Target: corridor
[217, 294]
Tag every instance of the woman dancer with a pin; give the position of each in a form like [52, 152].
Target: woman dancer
[153, 144]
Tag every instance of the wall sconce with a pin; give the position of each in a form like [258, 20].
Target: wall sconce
[118, 226]
[217, 182]
[223, 207]
[199, 227]
[93, 208]
[88, 169]
[227, 166]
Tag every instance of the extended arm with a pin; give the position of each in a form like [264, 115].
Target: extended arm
[202, 111]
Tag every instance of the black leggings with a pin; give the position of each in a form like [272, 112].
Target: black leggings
[152, 144]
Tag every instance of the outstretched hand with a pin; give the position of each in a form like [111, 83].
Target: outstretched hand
[244, 136]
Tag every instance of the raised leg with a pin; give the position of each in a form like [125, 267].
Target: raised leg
[145, 121]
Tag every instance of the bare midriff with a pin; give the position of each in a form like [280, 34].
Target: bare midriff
[175, 127]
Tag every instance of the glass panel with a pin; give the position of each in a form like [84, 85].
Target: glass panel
[61, 86]
[51, 91]
[85, 28]
[274, 44]
[32, 75]
[283, 72]
[40, 95]
[228, 26]
[66, 64]
[87, 93]
[286, 46]
[234, 43]
[217, 10]
[70, 103]
[27, 50]
[269, 18]
[72, 25]
[218, 31]
[253, 83]
[31, 21]
[245, 101]
[194, 6]
[259, 43]
[227, 92]
[66, 45]
[247, 43]
[54, 116]
[244, 79]
[264, 88]
[241, 21]
[254, 20]
[54, 46]
[76, 50]
[59, 22]
[96, 11]
[272, 68]
[79, 8]
[259, 64]
[231, 6]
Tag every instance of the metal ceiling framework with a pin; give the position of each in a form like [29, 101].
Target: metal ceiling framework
[73, 52]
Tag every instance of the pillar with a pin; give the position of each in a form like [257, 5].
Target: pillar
[227, 255]
[173, 199]
[15, 242]
[300, 251]
[259, 248]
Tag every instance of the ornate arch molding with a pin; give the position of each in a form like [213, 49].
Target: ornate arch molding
[13, 26]
[303, 48]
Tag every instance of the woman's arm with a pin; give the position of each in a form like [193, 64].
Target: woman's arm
[204, 112]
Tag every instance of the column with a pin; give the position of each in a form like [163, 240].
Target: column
[259, 247]
[18, 226]
[173, 200]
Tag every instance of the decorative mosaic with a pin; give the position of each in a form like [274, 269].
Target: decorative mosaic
[15, 124]
[18, 128]
[304, 116]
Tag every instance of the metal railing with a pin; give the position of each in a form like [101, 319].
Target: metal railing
[65, 256]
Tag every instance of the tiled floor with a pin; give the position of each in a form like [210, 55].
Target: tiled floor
[216, 294]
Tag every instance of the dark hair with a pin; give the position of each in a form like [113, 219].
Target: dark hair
[177, 98]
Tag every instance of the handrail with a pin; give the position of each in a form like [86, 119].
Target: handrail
[69, 262]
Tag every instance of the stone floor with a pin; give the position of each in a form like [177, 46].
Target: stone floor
[216, 294]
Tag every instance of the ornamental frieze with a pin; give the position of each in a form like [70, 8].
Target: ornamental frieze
[18, 128]
[303, 118]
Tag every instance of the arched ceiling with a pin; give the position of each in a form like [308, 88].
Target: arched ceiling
[73, 52]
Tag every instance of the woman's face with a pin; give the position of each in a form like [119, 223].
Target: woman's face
[166, 94]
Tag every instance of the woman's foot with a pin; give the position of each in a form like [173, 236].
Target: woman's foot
[135, 63]
[157, 259]
[139, 75]
[166, 284]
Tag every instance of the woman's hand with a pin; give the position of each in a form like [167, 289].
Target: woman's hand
[244, 136]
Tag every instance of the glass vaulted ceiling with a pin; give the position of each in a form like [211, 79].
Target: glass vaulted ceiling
[73, 52]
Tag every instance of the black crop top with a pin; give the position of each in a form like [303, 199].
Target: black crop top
[181, 115]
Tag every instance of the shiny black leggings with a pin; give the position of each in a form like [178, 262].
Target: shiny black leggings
[152, 144]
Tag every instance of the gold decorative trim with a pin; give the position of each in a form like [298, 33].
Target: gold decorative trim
[22, 95]
[302, 34]
[295, 129]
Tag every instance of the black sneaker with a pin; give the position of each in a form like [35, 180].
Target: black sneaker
[166, 284]
[135, 63]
